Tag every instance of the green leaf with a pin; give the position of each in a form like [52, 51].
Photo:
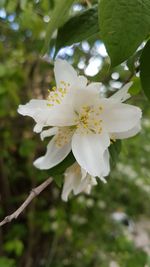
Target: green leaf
[29, 20]
[133, 61]
[114, 150]
[57, 16]
[58, 171]
[81, 27]
[15, 246]
[2, 3]
[11, 6]
[59, 179]
[124, 25]
[6, 262]
[2, 70]
[145, 69]
[137, 259]
[135, 87]
[61, 167]
[23, 4]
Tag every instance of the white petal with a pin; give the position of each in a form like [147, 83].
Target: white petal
[106, 168]
[128, 133]
[90, 182]
[120, 117]
[84, 185]
[32, 107]
[38, 128]
[67, 187]
[80, 98]
[83, 173]
[103, 179]
[122, 94]
[47, 133]
[75, 182]
[89, 96]
[94, 87]
[88, 150]
[53, 156]
[72, 180]
[82, 82]
[65, 72]
[60, 115]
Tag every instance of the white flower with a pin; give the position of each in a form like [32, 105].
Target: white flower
[77, 180]
[83, 122]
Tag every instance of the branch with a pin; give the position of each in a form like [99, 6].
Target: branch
[34, 192]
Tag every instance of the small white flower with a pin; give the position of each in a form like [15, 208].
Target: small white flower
[83, 122]
[77, 180]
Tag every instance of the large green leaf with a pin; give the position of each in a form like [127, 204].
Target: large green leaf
[145, 69]
[124, 25]
[81, 27]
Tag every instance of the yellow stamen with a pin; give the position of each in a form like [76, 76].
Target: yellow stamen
[63, 136]
[56, 95]
[89, 120]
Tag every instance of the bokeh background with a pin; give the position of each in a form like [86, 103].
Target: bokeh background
[109, 228]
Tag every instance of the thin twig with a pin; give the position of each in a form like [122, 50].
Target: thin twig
[34, 192]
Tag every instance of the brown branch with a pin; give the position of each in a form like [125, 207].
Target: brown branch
[34, 192]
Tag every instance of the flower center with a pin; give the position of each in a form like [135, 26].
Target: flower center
[89, 120]
[56, 95]
[63, 136]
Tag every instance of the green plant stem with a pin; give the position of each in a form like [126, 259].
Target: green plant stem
[58, 14]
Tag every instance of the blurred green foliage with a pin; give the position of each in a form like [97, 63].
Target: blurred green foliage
[81, 232]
